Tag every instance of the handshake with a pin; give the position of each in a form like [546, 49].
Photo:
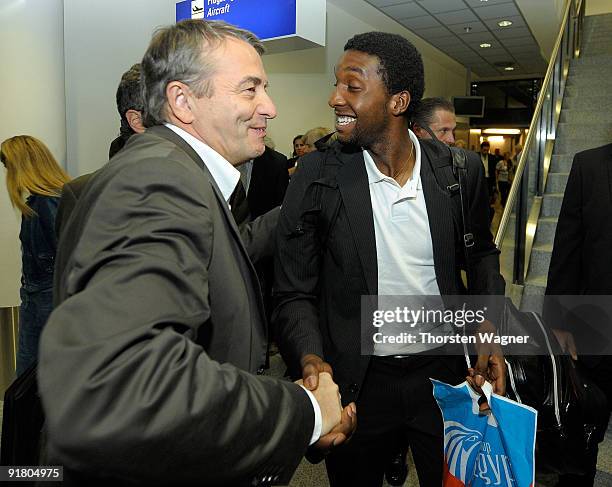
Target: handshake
[338, 423]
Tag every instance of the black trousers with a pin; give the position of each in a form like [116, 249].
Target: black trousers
[504, 190]
[396, 407]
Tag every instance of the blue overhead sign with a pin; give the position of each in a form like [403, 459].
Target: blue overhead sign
[267, 19]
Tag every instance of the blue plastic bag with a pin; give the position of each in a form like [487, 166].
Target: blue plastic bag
[494, 449]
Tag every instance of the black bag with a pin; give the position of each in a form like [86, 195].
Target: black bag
[571, 408]
[22, 421]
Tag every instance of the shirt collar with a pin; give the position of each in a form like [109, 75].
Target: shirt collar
[225, 175]
[375, 176]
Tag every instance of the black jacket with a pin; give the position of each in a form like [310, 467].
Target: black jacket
[319, 289]
[269, 180]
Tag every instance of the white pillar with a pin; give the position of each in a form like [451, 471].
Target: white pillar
[32, 102]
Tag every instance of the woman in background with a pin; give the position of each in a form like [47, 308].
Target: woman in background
[308, 142]
[34, 181]
[504, 177]
[298, 151]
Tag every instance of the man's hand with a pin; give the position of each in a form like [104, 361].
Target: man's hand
[312, 366]
[566, 342]
[490, 366]
[327, 395]
[339, 434]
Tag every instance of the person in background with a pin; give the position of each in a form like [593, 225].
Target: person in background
[129, 106]
[503, 172]
[438, 114]
[489, 162]
[309, 140]
[298, 151]
[518, 151]
[313, 136]
[460, 144]
[34, 181]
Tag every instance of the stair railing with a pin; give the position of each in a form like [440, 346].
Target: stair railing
[525, 197]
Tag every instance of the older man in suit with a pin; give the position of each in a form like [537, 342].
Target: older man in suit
[368, 216]
[146, 366]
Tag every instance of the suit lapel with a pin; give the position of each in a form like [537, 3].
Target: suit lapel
[441, 220]
[353, 184]
[170, 135]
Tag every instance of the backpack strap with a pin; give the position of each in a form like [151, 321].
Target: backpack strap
[460, 168]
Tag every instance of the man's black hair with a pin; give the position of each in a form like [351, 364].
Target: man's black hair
[129, 97]
[401, 65]
[485, 143]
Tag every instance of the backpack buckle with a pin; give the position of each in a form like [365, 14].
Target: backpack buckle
[453, 188]
[468, 239]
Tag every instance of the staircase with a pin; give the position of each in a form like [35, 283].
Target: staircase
[585, 122]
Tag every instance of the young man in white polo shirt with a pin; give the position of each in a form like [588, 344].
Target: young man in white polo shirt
[367, 216]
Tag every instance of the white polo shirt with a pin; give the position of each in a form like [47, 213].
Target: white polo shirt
[404, 249]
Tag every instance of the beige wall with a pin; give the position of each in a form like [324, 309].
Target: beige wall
[102, 39]
[544, 19]
[597, 7]
[32, 103]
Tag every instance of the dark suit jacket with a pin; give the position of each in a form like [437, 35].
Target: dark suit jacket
[492, 164]
[269, 180]
[319, 289]
[581, 262]
[258, 235]
[146, 365]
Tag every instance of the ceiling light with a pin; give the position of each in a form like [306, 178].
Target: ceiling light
[504, 23]
[501, 131]
[484, 45]
[509, 68]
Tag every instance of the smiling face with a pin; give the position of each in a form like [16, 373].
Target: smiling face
[233, 119]
[360, 99]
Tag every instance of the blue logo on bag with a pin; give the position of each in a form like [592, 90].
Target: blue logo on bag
[461, 445]
[478, 449]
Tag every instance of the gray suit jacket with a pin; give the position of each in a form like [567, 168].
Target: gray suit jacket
[146, 365]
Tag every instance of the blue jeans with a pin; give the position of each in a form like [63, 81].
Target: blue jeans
[36, 306]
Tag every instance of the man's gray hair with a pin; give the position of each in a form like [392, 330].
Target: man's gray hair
[426, 107]
[180, 52]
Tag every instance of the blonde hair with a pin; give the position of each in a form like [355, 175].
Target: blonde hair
[313, 135]
[30, 167]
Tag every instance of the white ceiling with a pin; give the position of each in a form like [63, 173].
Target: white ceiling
[443, 23]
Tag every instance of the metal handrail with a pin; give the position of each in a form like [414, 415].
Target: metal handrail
[503, 224]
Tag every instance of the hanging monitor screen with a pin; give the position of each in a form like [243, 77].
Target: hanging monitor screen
[469, 106]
